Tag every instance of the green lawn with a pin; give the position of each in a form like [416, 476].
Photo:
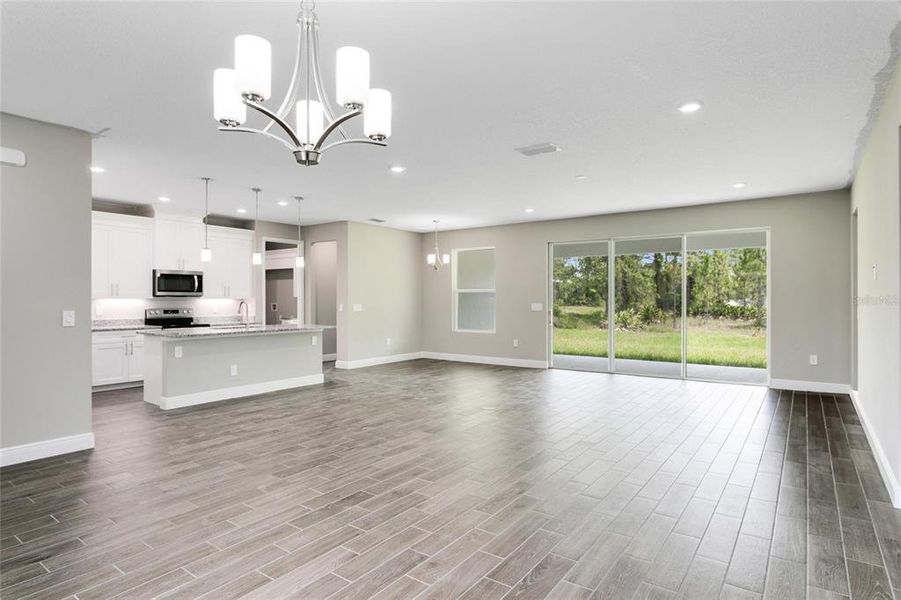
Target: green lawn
[710, 342]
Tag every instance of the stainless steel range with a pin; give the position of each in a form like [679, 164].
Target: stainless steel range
[170, 318]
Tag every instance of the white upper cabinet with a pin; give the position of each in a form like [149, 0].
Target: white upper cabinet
[121, 256]
[177, 243]
[230, 273]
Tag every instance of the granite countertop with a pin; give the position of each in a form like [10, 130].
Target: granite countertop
[231, 331]
[123, 327]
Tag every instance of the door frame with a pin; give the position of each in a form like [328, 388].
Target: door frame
[611, 299]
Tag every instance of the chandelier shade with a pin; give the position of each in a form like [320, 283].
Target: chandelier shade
[227, 105]
[249, 84]
[253, 67]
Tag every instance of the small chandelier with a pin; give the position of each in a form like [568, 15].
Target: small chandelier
[436, 259]
[249, 84]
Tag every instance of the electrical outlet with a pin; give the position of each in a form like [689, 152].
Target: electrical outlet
[358, 308]
[98, 310]
[515, 343]
[68, 318]
[537, 307]
[814, 360]
[233, 370]
[387, 341]
[340, 308]
[179, 352]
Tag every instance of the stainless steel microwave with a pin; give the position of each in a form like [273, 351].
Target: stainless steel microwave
[177, 283]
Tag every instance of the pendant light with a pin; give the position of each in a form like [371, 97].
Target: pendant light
[206, 255]
[257, 257]
[437, 260]
[299, 261]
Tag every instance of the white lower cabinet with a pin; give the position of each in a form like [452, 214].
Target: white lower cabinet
[117, 357]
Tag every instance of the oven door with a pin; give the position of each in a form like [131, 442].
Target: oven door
[177, 283]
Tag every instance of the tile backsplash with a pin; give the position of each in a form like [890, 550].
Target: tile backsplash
[113, 309]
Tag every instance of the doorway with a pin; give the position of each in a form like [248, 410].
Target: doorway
[282, 282]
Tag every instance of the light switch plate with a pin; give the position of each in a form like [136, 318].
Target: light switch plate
[340, 308]
[233, 370]
[68, 318]
[537, 307]
[179, 352]
[315, 341]
[358, 308]
[814, 360]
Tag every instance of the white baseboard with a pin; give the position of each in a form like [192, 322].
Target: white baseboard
[487, 360]
[239, 391]
[885, 468]
[45, 449]
[329, 357]
[378, 360]
[810, 386]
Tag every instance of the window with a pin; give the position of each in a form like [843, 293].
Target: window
[474, 293]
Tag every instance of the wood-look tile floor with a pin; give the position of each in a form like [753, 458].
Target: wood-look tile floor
[440, 480]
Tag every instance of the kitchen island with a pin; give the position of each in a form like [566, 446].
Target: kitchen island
[184, 367]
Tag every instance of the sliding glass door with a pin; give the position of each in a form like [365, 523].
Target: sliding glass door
[647, 336]
[726, 330]
[579, 285]
[692, 305]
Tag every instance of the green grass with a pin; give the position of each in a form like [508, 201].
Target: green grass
[710, 342]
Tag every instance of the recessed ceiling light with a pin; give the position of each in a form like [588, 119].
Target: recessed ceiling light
[241, 211]
[690, 107]
[164, 198]
[530, 210]
[398, 169]
[97, 169]
[740, 184]
[283, 203]
[581, 177]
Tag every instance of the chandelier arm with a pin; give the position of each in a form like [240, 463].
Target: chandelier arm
[260, 131]
[317, 81]
[291, 94]
[335, 125]
[353, 141]
[278, 121]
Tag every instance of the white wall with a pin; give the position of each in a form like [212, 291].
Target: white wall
[810, 281]
[875, 197]
[45, 261]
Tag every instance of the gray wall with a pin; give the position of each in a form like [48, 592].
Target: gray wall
[323, 265]
[384, 275]
[875, 197]
[45, 261]
[326, 232]
[810, 285]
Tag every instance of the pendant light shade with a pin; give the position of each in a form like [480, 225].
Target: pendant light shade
[227, 106]
[206, 255]
[315, 119]
[253, 67]
[352, 66]
[377, 115]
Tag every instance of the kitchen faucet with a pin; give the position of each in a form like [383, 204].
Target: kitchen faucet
[242, 306]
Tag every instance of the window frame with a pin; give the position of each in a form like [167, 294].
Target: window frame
[455, 291]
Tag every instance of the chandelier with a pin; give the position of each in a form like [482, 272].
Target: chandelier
[249, 85]
[436, 259]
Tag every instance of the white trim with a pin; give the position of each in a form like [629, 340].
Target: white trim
[810, 386]
[885, 468]
[330, 357]
[487, 360]
[45, 449]
[377, 360]
[239, 391]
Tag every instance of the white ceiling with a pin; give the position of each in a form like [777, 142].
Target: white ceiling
[786, 88]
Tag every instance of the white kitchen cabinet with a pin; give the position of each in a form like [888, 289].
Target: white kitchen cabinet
[121, 256]
[230, 273]
[117, 357]
[177, 243]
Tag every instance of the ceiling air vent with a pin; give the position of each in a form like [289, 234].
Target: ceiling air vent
[544, 148]
[377, 220]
